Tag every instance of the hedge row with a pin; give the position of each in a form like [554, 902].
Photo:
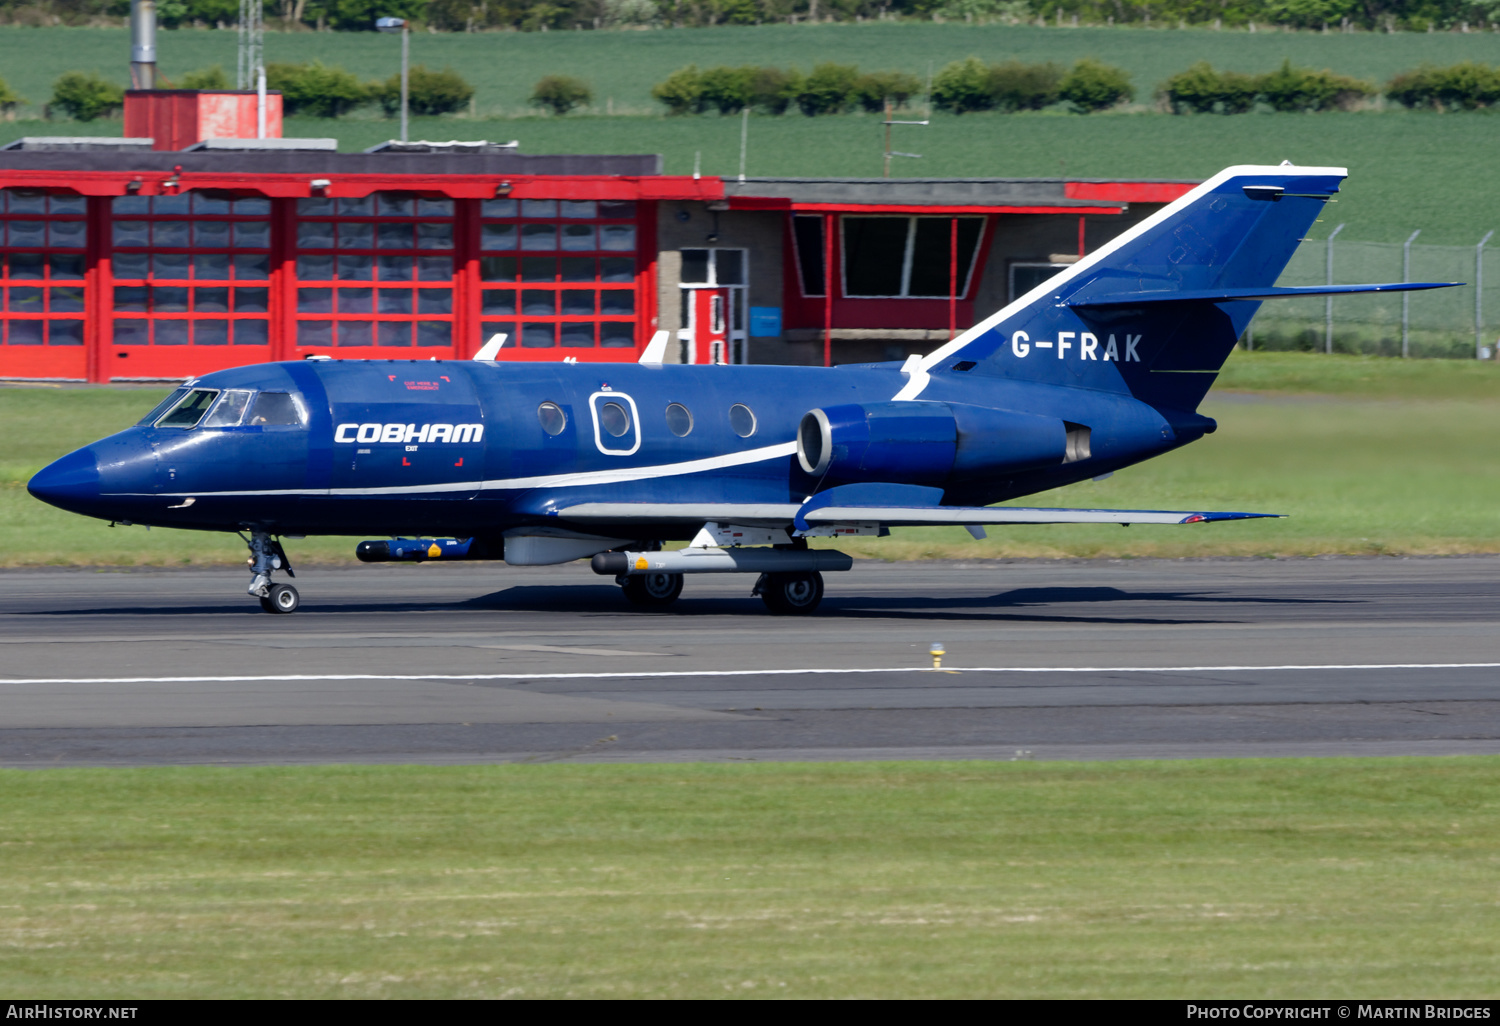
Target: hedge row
[1203, 90]
[972, 85]
[828, 89]
[1466, 86]
[834, 88]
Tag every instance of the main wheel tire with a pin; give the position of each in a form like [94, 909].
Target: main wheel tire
[282, 598]
[653, 590]
[792, 594]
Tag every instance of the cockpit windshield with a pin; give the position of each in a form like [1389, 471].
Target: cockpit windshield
[230, 411]
[186, 408]
[162, 407]
[190, 409]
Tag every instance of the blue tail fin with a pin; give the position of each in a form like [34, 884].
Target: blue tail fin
[1112, 321]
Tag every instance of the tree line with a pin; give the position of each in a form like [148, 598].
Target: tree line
[547, 15]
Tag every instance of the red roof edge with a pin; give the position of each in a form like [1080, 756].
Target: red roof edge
[1128, 192]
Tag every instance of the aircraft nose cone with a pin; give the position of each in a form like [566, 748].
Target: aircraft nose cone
[68, 483]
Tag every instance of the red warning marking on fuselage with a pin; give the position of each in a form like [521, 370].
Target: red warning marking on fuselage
[405, 462]
[460, 462]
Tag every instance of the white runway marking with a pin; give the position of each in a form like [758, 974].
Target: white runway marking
[630, 674]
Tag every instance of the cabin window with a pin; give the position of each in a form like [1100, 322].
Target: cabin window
[742, 420]
[679, 420]
[189, 409]
[552, 418]
[613, 419]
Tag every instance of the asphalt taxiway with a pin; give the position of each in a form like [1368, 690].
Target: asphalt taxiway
[483, 662]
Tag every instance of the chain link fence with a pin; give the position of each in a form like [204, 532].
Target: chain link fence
[1455, 323]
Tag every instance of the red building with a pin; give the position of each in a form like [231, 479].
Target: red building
[124, 264]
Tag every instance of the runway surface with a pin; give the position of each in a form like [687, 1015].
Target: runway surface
[483, 662]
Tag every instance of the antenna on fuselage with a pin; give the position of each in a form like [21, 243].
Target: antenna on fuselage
[490, 351]
[656, 349]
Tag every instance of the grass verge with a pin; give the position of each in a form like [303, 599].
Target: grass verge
[1261, 879]
[1364, 455]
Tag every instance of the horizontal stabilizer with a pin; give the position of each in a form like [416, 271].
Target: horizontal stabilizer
[915, 516]
[1270, 292]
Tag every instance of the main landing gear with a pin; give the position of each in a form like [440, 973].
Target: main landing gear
[785, 594]
[790, 579]
[790, 594]
[267, 556]
[652, 591]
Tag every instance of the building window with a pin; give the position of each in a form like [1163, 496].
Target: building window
[807, 234]
[1026, 276]
[558, 273]
[192, 269]
[375, 272]
[42, 274]
[907, 257]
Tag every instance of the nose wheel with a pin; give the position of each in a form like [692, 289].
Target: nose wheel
[266, 557]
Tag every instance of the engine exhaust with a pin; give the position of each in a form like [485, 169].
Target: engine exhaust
[720, 561]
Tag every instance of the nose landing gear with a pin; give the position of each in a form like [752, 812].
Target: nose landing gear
[267, 556]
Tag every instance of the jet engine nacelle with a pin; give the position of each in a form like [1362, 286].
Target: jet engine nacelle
[925, 443]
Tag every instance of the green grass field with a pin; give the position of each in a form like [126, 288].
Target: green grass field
[1364, 455]
[622, 66]
[1408, 170]
[1253, 879]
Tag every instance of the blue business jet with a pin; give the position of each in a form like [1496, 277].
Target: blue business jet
[1098, 368]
